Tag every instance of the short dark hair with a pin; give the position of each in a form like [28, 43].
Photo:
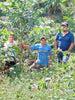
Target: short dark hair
[64, 24]
[42, 38]
[11, 35]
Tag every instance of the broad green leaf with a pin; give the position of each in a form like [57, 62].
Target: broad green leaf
[16, 48]
[37, 13]
[69, 19]
[70, 84]
[44, 86]
[1, 4]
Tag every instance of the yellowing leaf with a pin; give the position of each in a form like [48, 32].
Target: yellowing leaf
[60, 68]
[74, 95]
[63, 0]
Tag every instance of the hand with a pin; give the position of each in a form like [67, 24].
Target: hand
[20, 56]
[21, 44]
[24, 53]
[31, 60]
[5, 48]
[49, 63]
[57, 52]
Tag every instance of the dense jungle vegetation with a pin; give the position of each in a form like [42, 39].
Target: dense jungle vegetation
[28, 20]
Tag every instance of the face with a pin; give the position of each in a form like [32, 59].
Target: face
[43, 42]
[11, 38]
[65, 28]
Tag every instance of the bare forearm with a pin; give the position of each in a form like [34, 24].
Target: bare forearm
[55, 43]
[25, 52]
[50, 57]
[26, 46]
[31, 60]
[71, 46]
[5, 48]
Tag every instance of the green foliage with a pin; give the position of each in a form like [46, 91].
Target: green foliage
[21, 16]
[2, 0]
[26, 19]
[64, 53]
[48, 84]
[16, 48]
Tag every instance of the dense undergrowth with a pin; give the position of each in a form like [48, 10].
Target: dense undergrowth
[29, 20]
[57, 82]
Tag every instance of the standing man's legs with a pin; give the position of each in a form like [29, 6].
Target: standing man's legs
[65, 58]
[59, 56]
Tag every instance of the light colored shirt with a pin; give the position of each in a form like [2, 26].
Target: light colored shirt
[9, 54]
[8, 44]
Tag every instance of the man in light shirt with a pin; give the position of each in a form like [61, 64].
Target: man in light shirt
[10, 43]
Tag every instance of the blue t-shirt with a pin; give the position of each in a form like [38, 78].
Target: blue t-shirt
[43, 53]
[64, 41]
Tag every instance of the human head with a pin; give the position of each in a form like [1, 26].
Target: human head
[42, 38]
[43, 41]
[64, 26]
[11, 38]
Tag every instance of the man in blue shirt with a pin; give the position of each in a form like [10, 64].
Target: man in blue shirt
[44, 54]
[64, 41]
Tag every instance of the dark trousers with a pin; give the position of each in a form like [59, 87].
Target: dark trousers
[61, 57]
[10, 63]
